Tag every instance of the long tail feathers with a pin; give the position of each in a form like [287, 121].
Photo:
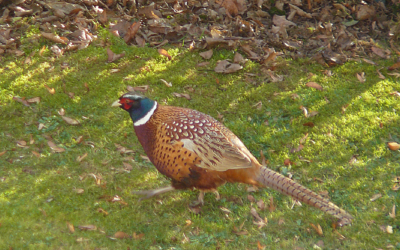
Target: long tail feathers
[270, 178]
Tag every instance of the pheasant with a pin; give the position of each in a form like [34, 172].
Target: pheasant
[196, 151]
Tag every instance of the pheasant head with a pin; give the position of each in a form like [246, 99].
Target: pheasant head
[139, 107]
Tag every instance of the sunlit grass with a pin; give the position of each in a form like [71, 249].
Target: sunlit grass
[38, 195]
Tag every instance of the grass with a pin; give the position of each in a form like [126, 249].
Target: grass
[38, 196]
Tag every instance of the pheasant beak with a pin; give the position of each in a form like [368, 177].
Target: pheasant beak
[116, 104]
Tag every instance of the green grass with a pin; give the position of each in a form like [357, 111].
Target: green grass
[38, 195]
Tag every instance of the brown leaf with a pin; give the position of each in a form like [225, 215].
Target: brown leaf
[195, 209]
[71, 227]
[143, 88]
[392, 213]
[281, 21]
[314, 85]
[361, 77]
[35, 154]
[187, 96]
[259, 246]
[133, 29]
[86, 87]
[102, 211]
[54, 147]
[364, 12]
[51, 90]
[138, 236]
[251, 198]
[2, 153]
[33, 100]
[168, 84]
[394, 66]
[22, 144]
[238, 58]
[87, 227]
[309, 124]
[70, 121]
[202, 64]
[226, 67]
[121, 235]
[163, 52]
[272, 206]
[393, 146]
[54, 38]
[369, 61]
[261, 205]
[375, 197]
[80, 158]
[113, 57]
[206, 54]
[318, 229]
[380, 75]
[380, 52]
[21, 100]
[79, 190]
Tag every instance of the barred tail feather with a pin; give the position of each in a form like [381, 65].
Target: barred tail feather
[272, 179]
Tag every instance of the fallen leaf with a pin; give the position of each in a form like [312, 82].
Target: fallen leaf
[238, 58]
[2, 153]
[397, 75]
[33, 100]
[318, 229]
[61, 112]
[195, 209]
[392, 213]
[80, 158]
[259, 246]
[393, 146]
[361, 77]
[79, 190]
[202, 64]
[143, 88]
[314, 85]
[168, 84]
[379, 52]
[226, 67]
[70, 121]
[21, 100]
[375, 197]
[138, 236]
[133, 29]
[54, 38]
[369, 61]
[87, 227]
[309, 124]
[35, 154]
[113, 57]
[51, 90]
[261, 205]
[187, 96]
[71, 227]
[206, 54]
[163, 52]
[54, 147]
[394, 66]
[251, 198]
[380, 75]
[121, 235]
[21, 144]
[389, 229]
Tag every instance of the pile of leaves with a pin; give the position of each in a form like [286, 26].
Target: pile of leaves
[331, 33]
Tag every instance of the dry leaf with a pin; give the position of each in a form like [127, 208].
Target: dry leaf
[375, 197]
[121, 235]
[259, 246]
[238, 58]
[33, 100]
[202, 64]
[369, 61]
[206, 54]
[168, 84]
[163, 52]
[54, 147]
[54, 38]
[51, 90]
[397, 75]
[70, 121]
[309, 124]
[138, 236]
[79, 190]
[394, 66]
[21, 144]
[143, 88]
[389, 229]
[21, 100]
[2, 153]
[113, 57]
[133, 29]
[314, 85]
[380, 75]
[226, 67]
[187, 96]
[34, 153]
[392, 213]
[71, 227]
[361, 77]
[393, 146]
[379, 52]
[261, 205]
[87, 227]
[80, 158]
[318, 229]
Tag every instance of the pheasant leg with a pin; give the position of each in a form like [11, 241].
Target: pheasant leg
[150, 193]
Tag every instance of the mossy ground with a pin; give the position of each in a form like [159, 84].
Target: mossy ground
[38, 198]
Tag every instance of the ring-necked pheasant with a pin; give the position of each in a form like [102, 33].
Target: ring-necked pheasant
[197, 151]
